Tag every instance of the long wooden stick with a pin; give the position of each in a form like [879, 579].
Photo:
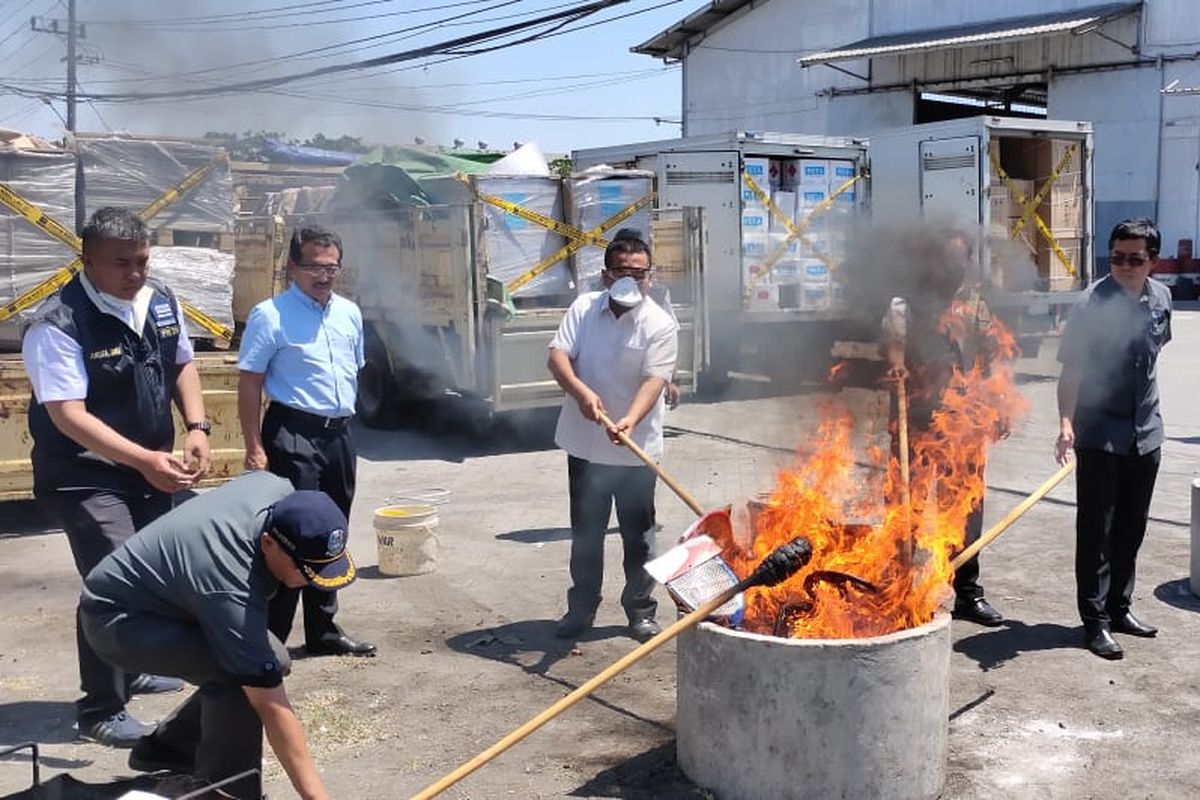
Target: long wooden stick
[1012, 516]
[783, 562]
[674, 485]
[905, 470]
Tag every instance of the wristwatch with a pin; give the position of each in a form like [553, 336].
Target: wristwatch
[204, 427]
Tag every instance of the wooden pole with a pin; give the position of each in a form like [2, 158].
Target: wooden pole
[671, 483]
[905, 469]
[783, 562]
[1012, 516]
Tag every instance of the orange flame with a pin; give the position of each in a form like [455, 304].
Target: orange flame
[905, 552]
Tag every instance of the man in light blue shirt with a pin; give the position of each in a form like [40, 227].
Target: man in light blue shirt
[305, 348]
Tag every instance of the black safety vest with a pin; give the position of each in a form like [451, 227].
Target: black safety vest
[131, 381]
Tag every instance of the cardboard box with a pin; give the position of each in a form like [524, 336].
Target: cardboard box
[775, 174]
[755, 245]
[1051, 270]
[591, 198]
[840, 172]
[816, 296]
[760, 170]
[789, 174]
[816, 271]
[814, 172]
[763, 297]
[1063, 208]
[786, 203]
[755, 220]
[810, 196]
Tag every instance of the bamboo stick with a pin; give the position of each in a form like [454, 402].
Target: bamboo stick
[671, 483]
[1012, 516]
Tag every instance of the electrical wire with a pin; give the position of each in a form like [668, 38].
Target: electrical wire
[447, 47]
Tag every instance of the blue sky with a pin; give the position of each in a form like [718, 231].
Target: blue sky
[130, 46]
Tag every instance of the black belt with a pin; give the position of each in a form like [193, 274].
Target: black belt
[317, 420]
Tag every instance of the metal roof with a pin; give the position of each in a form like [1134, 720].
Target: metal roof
[1082, 20]
[670, 43]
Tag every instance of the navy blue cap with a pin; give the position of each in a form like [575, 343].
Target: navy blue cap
[312, 530]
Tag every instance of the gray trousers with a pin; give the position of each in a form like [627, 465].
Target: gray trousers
[594, 489]
[216, 723]
[97, 522]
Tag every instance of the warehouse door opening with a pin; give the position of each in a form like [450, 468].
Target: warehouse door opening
[1026, 100]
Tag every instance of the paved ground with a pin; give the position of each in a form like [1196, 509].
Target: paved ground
[467, 652]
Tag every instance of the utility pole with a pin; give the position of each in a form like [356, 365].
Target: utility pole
[74, 31]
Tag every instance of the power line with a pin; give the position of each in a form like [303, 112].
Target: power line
[240, 14]
[448, 47]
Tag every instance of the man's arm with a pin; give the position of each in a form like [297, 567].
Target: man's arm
[1068, 396]
[189, 398]
[249, 391]
[286, 737]
[643, 402]
[563, 370]
[162, 470]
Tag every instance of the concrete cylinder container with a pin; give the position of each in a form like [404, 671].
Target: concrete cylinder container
[760, 716]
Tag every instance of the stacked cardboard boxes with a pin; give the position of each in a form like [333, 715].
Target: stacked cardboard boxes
[804, 275]
[594, 196]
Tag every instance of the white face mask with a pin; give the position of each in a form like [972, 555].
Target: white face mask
[625, 292]
[131, 312]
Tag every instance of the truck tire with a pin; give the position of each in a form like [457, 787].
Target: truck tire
[377, 397]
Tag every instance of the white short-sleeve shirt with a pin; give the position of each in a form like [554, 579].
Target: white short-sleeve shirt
[614, 356]
[54, 361]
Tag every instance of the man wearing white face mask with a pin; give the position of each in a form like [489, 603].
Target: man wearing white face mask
[613, 354]
[105, 357]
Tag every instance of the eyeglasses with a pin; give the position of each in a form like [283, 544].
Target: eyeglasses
[637, 274]
[1132, 259]
[321, 269]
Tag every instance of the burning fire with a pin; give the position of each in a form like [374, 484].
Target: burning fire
[905, 552]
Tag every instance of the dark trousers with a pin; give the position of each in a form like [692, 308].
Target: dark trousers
[1112, 507]
[966, 577]
[593, 490]
[96, 523]
[216, 725]
[311, 457]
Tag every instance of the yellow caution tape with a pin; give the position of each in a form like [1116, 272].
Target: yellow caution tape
[795, 231]
[36, 217]
[541, 220]
[1029, 206]
[585, 238]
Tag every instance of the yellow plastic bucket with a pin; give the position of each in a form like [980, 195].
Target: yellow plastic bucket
[406, 536]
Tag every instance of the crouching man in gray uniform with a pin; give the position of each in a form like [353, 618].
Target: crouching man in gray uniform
[187, 596]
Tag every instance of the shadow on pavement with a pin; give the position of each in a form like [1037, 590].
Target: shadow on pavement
[992, 647]
[24, 518]
[652, 775]
[516, 642]
[42, 721]
[1178, 594]
[542, 535]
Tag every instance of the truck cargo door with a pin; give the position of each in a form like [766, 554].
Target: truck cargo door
[711, 181]
[950, 179]
[679, 243]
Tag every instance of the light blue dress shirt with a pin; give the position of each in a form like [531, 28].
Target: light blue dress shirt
[310, 355]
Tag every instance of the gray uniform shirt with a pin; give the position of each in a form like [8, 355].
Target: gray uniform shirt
[1114, 340]
[202, 563]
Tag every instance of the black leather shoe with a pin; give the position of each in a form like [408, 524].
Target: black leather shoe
[644, 630]
[151, 755]
[979, 611]
[1128, 623]
[341, 645]
[1100, 641]
[571, 626]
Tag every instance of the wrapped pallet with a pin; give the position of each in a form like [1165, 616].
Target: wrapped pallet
[201, 276]
[134, 172]
[514, 245]
[594, 196]
[28, 256]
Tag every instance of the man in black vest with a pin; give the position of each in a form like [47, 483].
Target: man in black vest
[105, 357]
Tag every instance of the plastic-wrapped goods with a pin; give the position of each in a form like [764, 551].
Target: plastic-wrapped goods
[28, 256]
[199, 275]
[592, 198]
[136, 172]
[514, 245]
